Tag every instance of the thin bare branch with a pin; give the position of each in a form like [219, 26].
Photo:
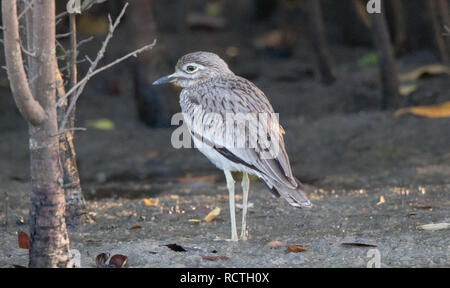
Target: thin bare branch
[25, 10]
[61, 15]
[83, 82]
[30, 109]
[64, 35]
[77, 90]
[62, 132]
[100, 54]
[84, 41]
[25, 50]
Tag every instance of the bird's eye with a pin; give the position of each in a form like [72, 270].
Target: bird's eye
[191, 68]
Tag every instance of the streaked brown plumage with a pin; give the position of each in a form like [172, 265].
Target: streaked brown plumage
[211, 93]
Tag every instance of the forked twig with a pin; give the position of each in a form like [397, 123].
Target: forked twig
[79, 87]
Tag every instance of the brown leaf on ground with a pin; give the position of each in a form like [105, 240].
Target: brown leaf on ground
[135, 227]
[297, 248]
[24, 240]
[93, 241]
[190, 179]
[101, 259]
[118, 261]
[214, 258]
[175, 247]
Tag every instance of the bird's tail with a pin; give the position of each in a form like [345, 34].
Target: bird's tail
[295, 196]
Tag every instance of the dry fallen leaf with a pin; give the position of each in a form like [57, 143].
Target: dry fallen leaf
[118, 261]
[194, 220]
[93, 241]
[296, 248]
[212, 215]
[358, 244]
[151, 202]
[136, 227]
[101, 259]
[407, 89]
[24, 240]
[175, 247]
[428, 70]
[432, 111]
[382, 200]
[214, 258]
[434, 226]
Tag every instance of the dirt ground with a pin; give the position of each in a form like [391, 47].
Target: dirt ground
[373, 178]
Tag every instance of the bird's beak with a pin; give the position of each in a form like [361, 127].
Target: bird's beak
[166, 79]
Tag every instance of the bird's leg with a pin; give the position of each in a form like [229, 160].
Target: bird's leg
[230, 186]
[245, 189]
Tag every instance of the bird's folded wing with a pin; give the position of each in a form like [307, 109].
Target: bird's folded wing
[258, 143]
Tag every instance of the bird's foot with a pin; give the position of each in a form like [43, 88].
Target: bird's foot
[244, 235]
[232, 240]
[234, 237]
[227, 240]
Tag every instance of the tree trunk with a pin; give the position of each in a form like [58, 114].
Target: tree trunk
[49, 239]
[445, 18]
[75, 202]
[49, 243]
[438, 27]
[396, 20]
[153, 106]
[325, 64]
[388, 70]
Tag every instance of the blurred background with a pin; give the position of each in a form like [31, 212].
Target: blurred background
[375, 161]
[338, 132]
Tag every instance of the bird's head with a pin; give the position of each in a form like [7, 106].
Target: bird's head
[194, 68]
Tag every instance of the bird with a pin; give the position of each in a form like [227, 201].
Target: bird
[211, 99]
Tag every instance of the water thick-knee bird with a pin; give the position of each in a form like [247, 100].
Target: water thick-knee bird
[233, 124]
